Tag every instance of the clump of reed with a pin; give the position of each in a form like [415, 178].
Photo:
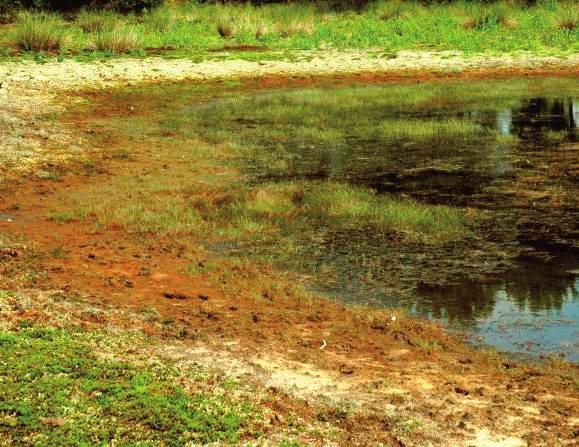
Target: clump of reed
[40, 32]
[225, 27]
[293, 21]
[479, 16]
[567, 16]
[395, 9]
[248, 21]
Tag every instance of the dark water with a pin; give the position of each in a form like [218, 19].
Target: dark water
[530, 308]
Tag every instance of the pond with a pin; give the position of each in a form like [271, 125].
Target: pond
[533, 307]
[513, 157]
[457, 201]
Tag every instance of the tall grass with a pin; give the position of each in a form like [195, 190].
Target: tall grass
[393, 24]
[394, 9]
[160, 19]
[567, 17]
[225, 27]
[40, 32]
[91, 21]
[292, 21]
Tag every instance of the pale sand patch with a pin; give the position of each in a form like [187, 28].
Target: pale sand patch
[29, 91]
[484, 438]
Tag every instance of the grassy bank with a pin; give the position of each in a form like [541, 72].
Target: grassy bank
[190, 29]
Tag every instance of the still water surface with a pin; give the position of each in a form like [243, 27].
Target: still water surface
[524, 179]
[533, 309]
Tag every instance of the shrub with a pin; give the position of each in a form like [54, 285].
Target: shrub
[40, 32]
[91, 21]
[117, 40]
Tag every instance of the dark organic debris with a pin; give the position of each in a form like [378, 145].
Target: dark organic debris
[175, 296]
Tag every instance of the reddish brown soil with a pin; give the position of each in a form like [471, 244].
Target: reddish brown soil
[364, 348]
[411, 76]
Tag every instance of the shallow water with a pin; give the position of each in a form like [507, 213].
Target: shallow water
[531, 309]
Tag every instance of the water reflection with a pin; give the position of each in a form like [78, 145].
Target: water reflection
[535, 287]
[538, 115]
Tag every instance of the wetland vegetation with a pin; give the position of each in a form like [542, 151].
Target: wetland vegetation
[317, 180]
[294, 260]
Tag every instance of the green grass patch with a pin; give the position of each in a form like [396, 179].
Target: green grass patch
[190, 28]
[55, 390]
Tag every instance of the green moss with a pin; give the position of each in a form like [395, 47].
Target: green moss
[56, 391]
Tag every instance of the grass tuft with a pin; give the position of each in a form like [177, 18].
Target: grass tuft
[98, 20]
[396, 9]
[118, 40]
[294, 21]
[567, 17]
[40, 32]
[225, 27]
[261, 30]
[160, 19]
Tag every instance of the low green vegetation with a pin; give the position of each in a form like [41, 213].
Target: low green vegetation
[56, 389]
[190, 28]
